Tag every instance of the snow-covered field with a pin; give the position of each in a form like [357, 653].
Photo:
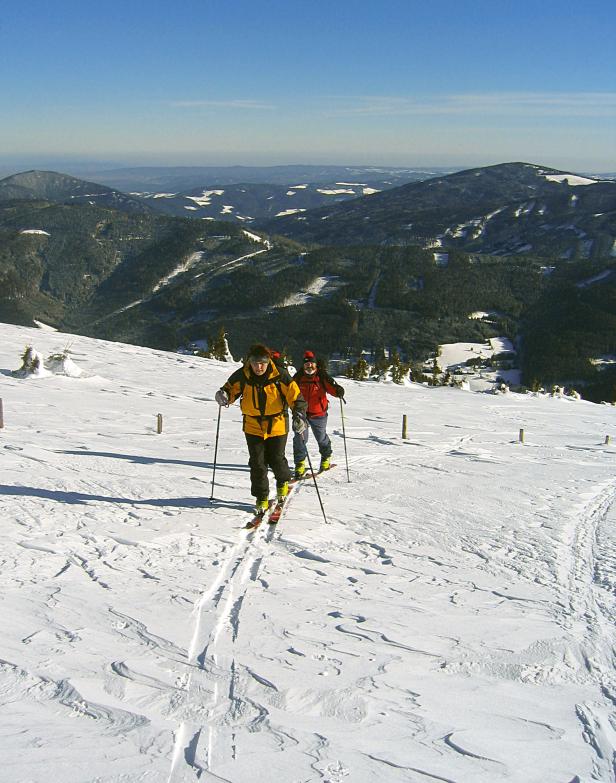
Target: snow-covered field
[453, 358]
[452, 621]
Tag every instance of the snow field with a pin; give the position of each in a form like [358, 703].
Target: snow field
[453, 620]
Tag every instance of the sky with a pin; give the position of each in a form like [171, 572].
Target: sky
[449, 617]
[393, 82]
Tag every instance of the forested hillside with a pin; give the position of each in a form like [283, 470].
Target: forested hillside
[508, 209]
[373, 297]
[166, 281]
[71, 265]
[63, 189]
[569, 332]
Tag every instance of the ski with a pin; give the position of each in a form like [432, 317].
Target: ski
[274, 517]
[276, 508]
[280, 506]
[312, 475]
[259, 517]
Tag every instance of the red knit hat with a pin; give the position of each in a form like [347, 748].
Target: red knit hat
[309, 356]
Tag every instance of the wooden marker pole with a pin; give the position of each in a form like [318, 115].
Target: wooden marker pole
[159, 423]
[404, 432]
[607, 437]
[1, 416]
[521, 436]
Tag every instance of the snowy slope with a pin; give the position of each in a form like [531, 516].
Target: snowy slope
[452, 621]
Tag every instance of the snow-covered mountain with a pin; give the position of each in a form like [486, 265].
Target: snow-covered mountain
[235, 194]
[64, 189]
[184, 178]
[246, 202]
[506, 209]
[452, 619]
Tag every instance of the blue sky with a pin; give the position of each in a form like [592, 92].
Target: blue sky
[396, 82]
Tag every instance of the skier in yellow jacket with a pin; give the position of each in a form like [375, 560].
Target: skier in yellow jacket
[266, 393]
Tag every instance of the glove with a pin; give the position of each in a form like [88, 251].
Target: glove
[221, 398]
[299, 423]
[340, 392]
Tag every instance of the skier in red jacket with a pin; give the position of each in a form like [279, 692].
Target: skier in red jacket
[315, 384]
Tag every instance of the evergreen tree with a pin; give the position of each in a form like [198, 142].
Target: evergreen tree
[219, 348]
[399, 370]
[359, 371]
[435, 370]
[362, 369]
[381, 364]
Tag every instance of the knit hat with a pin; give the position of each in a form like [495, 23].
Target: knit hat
[258, 353]
[309, 356]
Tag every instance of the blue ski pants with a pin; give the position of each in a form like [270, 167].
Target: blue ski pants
[318, 425]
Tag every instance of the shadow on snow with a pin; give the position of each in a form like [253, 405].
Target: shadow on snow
[139, 460]
[80, 498]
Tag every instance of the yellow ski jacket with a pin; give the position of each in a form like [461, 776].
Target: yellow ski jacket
[265, 399]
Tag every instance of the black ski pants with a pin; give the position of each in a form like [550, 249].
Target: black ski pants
[264, 453]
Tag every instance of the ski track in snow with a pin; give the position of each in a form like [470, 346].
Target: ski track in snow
[213, 685]
[453, 621]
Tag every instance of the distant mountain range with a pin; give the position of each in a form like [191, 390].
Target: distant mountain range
[180, 179]
[402, 269]
[246, 194]
[508, 209]
[64, 189]
[247, 203]
[501, 210]
[235, 194]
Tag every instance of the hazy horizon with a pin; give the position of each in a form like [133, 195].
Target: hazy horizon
[83, 168]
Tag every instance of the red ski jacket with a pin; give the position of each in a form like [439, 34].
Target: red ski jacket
[315, 388]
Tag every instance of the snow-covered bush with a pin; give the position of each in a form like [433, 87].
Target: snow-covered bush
[62, 364]
[32, 364]
[501, 388]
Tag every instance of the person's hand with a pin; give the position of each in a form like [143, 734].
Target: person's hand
[222, 398]
[340, 392]
[299, 423]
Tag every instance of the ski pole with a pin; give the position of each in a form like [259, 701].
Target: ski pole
[215, 452]
[346, 456]
[316, 486]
